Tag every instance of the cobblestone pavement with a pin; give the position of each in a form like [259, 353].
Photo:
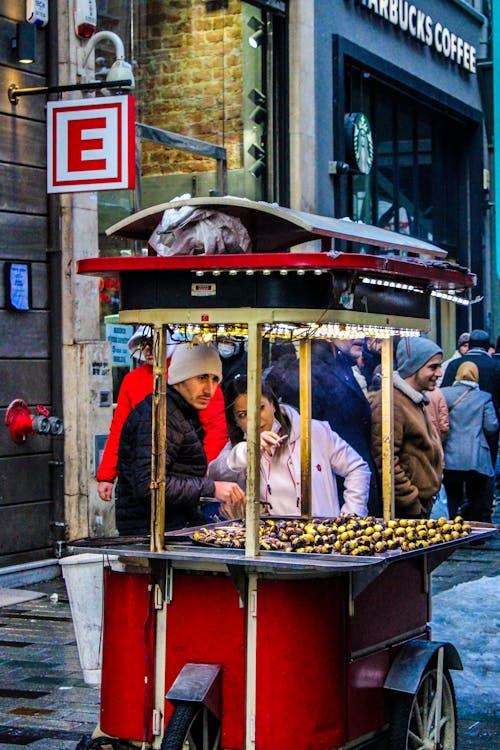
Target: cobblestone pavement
[45, 705]
[44, 702]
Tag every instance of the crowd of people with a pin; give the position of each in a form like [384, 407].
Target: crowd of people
[446, 430]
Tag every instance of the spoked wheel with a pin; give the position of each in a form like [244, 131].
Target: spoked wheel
[426, 720]
[192, 727]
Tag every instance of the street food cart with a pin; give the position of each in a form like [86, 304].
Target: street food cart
[244, 646]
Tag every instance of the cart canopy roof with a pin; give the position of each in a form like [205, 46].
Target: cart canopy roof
[273, 228]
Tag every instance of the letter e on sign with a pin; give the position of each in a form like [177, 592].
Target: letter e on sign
[91, 144]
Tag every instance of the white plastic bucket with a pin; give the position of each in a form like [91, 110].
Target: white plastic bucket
[83, 575]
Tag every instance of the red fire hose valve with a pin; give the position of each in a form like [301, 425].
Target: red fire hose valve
[21, 422]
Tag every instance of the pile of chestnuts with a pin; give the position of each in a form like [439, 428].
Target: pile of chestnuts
[346, 535]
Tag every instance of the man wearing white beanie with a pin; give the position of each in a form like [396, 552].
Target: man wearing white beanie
[193, 376]
[135, 386]
[418, 464]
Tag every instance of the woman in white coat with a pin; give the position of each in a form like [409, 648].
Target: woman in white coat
[280, 487]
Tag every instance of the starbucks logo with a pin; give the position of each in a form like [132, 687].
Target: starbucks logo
[359, 142]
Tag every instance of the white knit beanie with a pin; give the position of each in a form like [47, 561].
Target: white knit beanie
[192, 359]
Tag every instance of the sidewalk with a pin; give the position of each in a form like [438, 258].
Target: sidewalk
[45, 705]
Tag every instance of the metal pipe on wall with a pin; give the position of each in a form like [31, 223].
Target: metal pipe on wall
[54, 257]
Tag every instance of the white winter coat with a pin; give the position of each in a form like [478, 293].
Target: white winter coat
[280, 473]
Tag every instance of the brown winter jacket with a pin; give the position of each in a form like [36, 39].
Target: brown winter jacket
[418, 465]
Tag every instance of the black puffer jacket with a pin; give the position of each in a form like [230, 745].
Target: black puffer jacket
[186, 466]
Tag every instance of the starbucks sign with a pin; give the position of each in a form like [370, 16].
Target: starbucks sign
[411, 20]
[359, 142]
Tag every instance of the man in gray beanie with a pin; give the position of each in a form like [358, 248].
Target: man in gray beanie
[194, 373]
[418, 464]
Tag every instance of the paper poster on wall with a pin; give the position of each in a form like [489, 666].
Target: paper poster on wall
[18, 286]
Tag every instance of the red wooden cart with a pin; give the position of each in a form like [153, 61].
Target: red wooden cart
[229, 649]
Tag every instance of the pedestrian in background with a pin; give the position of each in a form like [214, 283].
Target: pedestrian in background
[283, 353]
[234, 357]
[371, 356]
[356, 352]
[460, 351]
[468, 461]
[488, 367]
[437, 410]
[496, 355]
[489, 381]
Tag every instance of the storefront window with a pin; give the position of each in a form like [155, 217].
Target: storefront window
[385, 204]
[210, 72]
[405, 179]
[206, 71]
[424, 221]
[416, 181]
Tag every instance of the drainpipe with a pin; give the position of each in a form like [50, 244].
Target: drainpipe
[54, 257]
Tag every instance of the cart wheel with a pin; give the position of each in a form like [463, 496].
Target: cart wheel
[413, 721]
[192, 727]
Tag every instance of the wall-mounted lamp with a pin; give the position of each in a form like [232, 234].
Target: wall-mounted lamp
[120, 70]
[259, 28]
[259, 115]
[257, 97]
[24, 43]
[258, 169]
[258, 153]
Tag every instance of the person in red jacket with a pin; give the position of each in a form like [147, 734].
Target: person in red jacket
[136, 385]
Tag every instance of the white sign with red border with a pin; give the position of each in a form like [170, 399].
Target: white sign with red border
[91, 144]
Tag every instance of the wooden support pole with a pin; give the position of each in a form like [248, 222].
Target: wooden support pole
[254, 393]
[387, 429]
[159, 439]
[305, 427]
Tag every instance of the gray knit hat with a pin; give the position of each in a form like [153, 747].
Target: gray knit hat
[479, 339]
[192, 359]
[412, 354]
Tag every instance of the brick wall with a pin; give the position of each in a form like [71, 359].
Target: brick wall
[189, 80]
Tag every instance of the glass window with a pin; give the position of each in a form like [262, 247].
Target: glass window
[425, 199]
[406, 173]
[214, 72]
[417, 179]
[206, 71]
[385, 202]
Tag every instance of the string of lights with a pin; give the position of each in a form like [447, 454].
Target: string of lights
[294, 332]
